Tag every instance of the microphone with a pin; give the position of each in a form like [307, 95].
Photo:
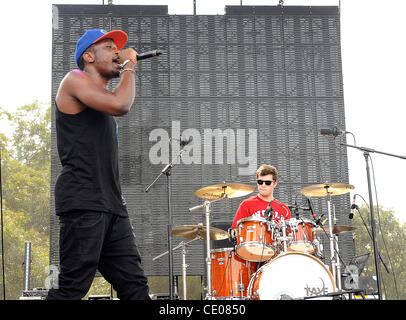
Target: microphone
[317, 219]
[183, 141]
[319, 222]
[353, 207]
[332, 132]
[148, 54]
[296, 210]
[268, 210]
[311, 209]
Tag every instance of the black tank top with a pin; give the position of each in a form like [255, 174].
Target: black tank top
[88, 150]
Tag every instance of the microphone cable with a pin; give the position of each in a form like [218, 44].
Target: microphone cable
[379, 220]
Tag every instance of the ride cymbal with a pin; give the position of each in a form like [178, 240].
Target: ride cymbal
[231, 190]
[321, 190]
[193, 231]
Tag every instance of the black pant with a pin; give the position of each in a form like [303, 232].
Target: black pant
[91, 240]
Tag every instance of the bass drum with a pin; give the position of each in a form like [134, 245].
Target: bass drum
[291, 276]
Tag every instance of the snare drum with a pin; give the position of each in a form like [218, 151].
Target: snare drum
[230, 275]
[301, 232]
[255, 239]
[291, 275]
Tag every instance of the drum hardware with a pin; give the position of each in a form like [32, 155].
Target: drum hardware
[337, 257]
[337, 254]
[207, 206]
[184, 265]
[241, 287]
[327, 190]
[318, 248]
[284, 239]
[213, 194]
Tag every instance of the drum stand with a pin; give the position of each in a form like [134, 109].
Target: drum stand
[207, 205]
[333, 256]
[284, 239]
[337, 256]
[182, 244]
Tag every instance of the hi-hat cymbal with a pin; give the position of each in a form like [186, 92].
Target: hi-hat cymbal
[336, 229]
[321, 190]
[194, 231]
[232, 190]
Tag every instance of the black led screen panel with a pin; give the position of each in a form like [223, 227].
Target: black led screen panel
[252, 86]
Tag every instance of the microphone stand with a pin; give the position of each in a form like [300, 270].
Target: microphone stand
[366, 152]
[2, 229]
[167, 171]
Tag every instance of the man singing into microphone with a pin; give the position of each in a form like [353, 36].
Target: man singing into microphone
[95, 231]
[267, 180]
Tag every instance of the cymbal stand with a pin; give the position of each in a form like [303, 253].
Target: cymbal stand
[337, 256]
[184, 271]
[182, 244]
[331, 236]
[207, 205]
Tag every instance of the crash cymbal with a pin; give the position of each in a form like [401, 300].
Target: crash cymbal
[193, 231]
[232, 190]
[336, 229]
[320, 190]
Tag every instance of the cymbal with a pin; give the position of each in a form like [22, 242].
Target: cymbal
[336, 229]
[232, 190]
[320, 190]
[193, 231]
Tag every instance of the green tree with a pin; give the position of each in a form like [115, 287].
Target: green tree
[26, 196]
[391, 239]
[25, 169]
[26, 173]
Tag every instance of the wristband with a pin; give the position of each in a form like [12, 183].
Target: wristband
[124, 63]
[127, 69]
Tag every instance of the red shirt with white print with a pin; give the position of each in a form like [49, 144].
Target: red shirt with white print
[255, 207]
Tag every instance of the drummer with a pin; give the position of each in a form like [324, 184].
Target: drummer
[255, 207]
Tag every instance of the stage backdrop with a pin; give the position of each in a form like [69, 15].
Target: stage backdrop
[252, 86]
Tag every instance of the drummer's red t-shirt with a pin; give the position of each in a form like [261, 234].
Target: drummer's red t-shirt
[255, 207]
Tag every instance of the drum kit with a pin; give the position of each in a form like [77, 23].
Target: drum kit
[267, 260]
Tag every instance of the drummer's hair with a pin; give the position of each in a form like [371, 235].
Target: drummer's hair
[266, 169]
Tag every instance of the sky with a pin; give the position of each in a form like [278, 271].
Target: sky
[373, 64]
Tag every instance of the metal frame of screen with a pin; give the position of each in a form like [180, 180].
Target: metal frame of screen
[252, 86]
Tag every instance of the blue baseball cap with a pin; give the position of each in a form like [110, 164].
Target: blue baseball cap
[92, 36]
